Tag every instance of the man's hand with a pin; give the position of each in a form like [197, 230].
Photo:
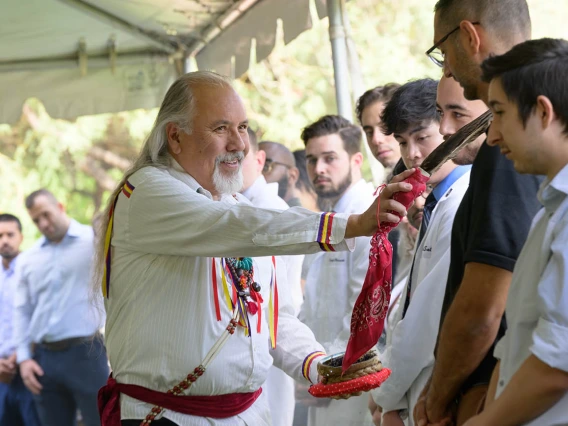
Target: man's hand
[367, 223]
[420, 417]
[436, 416]
[29, 370]
[392, 418]
[303, 396]
[8, 365]
[375, 410]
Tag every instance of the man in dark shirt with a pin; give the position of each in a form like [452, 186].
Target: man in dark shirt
[491, 223]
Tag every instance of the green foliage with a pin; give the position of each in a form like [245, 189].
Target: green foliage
[283, 94]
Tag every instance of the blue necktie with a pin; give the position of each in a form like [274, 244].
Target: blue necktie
[426, 214]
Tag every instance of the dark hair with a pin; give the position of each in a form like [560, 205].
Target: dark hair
[504, 18]
[349, 133]
[30, 199]
[531, 69]
[413, 103]
[378, 94]
[252, 139]
[6, 217]
[303, 181]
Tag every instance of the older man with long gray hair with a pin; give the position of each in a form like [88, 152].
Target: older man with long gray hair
[186, 333]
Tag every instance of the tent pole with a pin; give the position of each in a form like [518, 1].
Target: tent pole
[340, 58]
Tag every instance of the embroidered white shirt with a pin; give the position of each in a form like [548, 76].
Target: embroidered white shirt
[161, 318]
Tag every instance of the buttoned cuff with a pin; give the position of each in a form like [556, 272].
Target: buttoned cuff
[310, 366]
[331, 232]
[23, 353]
[550, 344]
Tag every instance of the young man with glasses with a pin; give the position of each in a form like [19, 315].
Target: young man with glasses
[491, 224]
[528, 94]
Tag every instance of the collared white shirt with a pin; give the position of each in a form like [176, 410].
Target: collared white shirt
[8, 284]
[53, 299]
[161, 319]
[410, 346]
[537, 304]
[333, 283]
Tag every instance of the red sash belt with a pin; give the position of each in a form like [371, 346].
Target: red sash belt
[217, 406]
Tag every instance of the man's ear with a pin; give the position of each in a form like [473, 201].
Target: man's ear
[545, 111]
[293, 175]
[470, 38]
[172, 132]
[357, 159]
[260, 159]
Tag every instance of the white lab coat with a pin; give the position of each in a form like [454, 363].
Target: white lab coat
[279, 386]
[410, 346]
[333, 283]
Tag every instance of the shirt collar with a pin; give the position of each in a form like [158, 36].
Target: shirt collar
[179, 173]
[345, 200]
[73, 231]
[11, 268]
[552, 193]
[449, 180]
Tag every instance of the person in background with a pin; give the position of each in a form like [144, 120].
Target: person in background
[279, 386]
[528, 95]
[61, 355]
[334, 280]
[305, 190]
[16, 401]
[369, 109]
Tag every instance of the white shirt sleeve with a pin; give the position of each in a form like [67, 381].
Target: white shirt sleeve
[163, 217]
[550, 338]
[22, 314]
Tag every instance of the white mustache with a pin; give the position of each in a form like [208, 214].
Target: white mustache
[239, 156]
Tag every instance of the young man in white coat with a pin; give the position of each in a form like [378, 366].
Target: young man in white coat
[279, 386]
[420, 115]
[334, 280]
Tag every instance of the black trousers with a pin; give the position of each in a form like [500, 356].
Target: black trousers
[161, 422]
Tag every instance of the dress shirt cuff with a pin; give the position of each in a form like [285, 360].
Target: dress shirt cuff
[310, 366]
[23, 353]
[331, 232]
[550, 344]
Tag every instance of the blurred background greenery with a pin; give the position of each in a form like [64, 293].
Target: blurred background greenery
[81, 160]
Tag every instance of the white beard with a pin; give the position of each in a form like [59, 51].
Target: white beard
[228, 184]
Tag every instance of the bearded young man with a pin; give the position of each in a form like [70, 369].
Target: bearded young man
[334, 280]
[185, 333]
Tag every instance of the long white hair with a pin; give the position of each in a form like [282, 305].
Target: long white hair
[177, 107]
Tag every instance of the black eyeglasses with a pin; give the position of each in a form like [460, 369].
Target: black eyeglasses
[437, 56]
[269, 165]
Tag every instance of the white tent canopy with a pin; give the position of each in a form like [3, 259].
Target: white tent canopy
[82, 57]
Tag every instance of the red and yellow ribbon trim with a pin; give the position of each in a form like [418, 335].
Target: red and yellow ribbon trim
[127, 190]
[308, 363]
[324, 231]
[233, 302]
